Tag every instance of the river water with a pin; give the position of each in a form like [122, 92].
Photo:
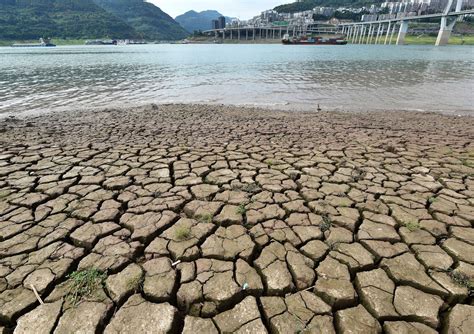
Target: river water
[348, 78]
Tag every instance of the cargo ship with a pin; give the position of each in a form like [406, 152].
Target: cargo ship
[313, 40]
[43, 42]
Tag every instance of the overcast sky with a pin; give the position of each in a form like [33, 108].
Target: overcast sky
[243, 9]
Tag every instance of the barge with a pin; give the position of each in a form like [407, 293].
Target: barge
[43, 42]
[102, 42]
[313, 40]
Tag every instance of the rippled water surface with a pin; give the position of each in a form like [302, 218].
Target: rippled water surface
[352, 77]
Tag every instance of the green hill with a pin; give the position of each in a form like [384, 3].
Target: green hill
[85, 19]
[310, 4]
[31, 19]
[146, 18]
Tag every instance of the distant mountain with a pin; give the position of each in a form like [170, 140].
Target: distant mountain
[31, 19]
[193, 21]
[310, 4]
[26, 19]
[150, 21]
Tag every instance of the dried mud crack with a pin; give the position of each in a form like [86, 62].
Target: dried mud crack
[213, 219]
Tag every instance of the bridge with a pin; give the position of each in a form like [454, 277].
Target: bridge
[370, 32]
[364, 32]
[269, 32]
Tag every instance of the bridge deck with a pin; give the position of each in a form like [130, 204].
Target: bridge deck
[407, 18]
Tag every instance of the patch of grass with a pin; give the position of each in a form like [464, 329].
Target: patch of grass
[327, 223]
[135, 283]
[430, 40]
[84, 283]
[432, 199]
[462, 280]
[241, 209]
[205, 218]
[248, 226]
[182, 232]
[412, 226]
[251, 188]
[466, 39]
[269, 162]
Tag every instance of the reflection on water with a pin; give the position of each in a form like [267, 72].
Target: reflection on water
[353, 77]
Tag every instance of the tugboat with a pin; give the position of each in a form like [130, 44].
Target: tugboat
[43, 42]
[312, 40]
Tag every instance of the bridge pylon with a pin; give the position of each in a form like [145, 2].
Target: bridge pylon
[447, 23]
[445, 30]
[402, 32]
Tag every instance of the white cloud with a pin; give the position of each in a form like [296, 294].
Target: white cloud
[243, 9]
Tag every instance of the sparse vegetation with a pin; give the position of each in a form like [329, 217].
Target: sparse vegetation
[327, 223]
[135, 283]
[182, 232]
[432, 199]
[251, 188]
[84, 283]
[462, 280]
[412, 226]
[241, 209]
[205, 218]
[248, 226]
[269, 162]
[430, 40]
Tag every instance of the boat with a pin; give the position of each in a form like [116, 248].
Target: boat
[102, 42]
[43, 42]
[313, 40]
[131, 42]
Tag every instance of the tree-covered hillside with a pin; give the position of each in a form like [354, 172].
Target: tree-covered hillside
[144, 17]
[83, 19]
[310, 4]
[31, 19]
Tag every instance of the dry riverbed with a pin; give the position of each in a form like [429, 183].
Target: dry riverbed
[208, 219]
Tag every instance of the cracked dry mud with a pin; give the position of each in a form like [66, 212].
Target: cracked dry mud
[212, 219]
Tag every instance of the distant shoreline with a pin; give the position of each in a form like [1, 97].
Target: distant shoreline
[409, 40]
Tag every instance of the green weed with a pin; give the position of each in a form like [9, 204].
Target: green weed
[412, 226]
[241, 209]
[182, 232]
[205, 218]
[84, 283]
[462, 280]
[432, 199]
[326, 224]
[251, 188]
[135, 283]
